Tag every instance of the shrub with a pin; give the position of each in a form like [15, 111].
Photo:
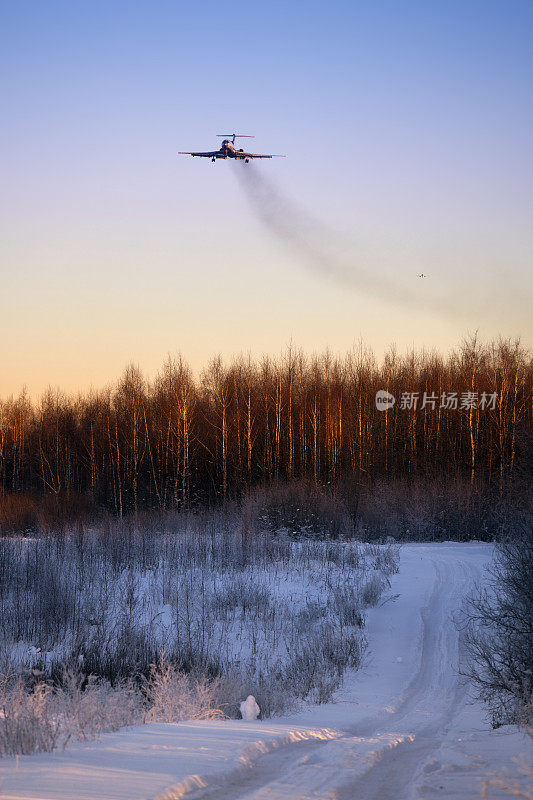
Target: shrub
[300, 508]
[316, 668]
[172, 695]
[30, 513]
[347, 602]
[27, 724]
[88, 706]
[498, 622]
[372, 591]
[18, 514]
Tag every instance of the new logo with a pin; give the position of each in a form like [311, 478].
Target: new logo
[384, 400]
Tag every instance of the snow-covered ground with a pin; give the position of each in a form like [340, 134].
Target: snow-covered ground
[404, 726]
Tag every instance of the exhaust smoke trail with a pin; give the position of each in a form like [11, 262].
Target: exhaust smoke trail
[318, 249]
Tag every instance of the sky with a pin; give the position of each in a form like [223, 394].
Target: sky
[407, 128]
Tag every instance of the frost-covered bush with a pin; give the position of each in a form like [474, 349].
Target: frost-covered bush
[349, 603]
[315, 669]
[172, 695]
[240, 595]
[41, 717]
[87, 706]
[27, 722]
[372, 590]
[498, 623]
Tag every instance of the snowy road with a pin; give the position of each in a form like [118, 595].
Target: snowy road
[402, 727]
[393, 751]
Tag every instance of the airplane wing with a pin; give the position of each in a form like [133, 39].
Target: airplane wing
[258, 155]
[212, 154]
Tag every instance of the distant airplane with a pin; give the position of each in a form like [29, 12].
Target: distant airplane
[421, 275]
[228, 150]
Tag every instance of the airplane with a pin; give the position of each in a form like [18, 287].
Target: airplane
[228, 150]
[421, 275]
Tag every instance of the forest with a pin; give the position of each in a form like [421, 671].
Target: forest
[182, 441]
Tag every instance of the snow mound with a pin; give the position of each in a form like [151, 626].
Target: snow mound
[249, 708]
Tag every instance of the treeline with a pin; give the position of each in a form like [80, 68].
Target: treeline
[180, 441]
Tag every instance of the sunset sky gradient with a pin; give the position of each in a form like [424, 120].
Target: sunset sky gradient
[408, 129]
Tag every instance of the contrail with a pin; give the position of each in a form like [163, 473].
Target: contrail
[317, 248]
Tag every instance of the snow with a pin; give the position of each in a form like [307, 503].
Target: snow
[404, 726]
[249, 708]
[144, 761]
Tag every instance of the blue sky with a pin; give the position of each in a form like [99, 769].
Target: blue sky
[408, 129]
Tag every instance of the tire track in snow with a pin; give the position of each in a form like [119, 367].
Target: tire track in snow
[435, 694]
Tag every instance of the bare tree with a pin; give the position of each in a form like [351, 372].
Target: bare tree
[499, 632]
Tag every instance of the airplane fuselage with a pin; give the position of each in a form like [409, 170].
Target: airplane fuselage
[228, 150]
